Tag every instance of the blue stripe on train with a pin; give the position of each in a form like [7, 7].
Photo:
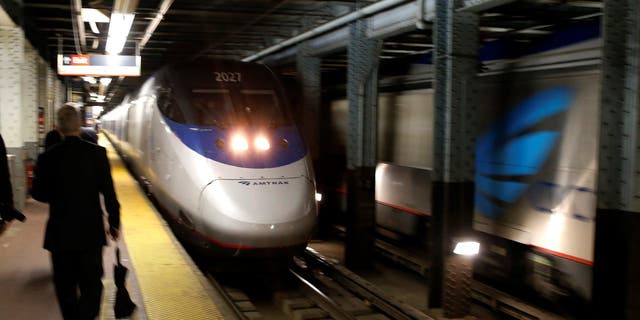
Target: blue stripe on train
[202, 139]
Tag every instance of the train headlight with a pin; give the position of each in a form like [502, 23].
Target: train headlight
[261, 143]
[239, 143]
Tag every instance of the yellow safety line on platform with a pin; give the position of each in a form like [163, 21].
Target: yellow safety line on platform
[172, 287]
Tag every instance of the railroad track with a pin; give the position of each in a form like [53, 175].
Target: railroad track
[312, 288]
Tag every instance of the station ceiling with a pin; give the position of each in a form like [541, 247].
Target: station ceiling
[236, 29]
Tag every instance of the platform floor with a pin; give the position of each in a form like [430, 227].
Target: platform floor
[163, 280]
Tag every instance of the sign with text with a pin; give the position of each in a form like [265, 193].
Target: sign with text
[98, 65]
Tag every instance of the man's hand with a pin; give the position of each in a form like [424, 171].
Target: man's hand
[115, 233]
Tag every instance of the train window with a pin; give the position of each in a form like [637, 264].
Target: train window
[212, 107]
[169, 106]
[261, 107]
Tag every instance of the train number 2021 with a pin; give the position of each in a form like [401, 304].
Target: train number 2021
[228, 76]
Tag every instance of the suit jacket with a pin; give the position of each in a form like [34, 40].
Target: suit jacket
[70, 177]
[6, 192]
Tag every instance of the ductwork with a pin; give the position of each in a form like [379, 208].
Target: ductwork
[372, 9]
[386, 18]
[162, 9]
[79, 26]
[124, 6]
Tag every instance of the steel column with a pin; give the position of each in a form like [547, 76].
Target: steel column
[362, 93]
[308, 68]
[30, 101]
[616, 281]
[11, 119]
[456, 47]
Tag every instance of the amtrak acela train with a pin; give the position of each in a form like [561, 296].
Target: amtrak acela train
[216, 145]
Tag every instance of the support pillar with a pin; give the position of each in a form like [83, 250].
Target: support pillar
[308, 68]
[362, 93]
[455, 59]
[43, 125]
[11, 118]
[30, 101]
[49, 113]
[616, 283]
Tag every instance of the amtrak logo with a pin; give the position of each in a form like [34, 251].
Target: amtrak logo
[512, 149]
[262, 183]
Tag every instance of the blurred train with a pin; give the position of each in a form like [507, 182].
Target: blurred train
[214, 143]
[536, 143]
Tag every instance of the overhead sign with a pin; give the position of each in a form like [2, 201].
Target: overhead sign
[98, 65]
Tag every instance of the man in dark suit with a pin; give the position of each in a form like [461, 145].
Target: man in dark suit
[6, 192]
[70, 177]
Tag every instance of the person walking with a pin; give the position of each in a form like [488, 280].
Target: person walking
[52, 138]
[6, 192]
[71, 177]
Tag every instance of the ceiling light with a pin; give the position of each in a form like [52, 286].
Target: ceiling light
[495, 29]
[118, 31]
[94, 15]
[533, 31]
[105, 81]
[91, 80]
[94, 27]
[586, 4]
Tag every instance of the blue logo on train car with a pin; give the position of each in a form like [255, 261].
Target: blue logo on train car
[513, 149]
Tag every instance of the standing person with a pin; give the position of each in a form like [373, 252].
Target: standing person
[89, 134]
[6, 192]
[52, 138]
[71, 177]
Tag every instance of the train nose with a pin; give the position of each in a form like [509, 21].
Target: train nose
[260, 201]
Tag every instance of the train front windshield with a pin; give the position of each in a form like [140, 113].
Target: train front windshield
[223, 108]
[256, 102]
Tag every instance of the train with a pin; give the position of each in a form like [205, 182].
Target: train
[215, 144]
[535, 138]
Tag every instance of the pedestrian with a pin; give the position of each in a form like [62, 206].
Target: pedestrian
[52, 138]
[6, 192]
[89, 134]
[71, 177]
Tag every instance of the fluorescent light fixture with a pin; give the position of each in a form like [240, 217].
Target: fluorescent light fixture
[467, 248]
[586, 4]
[94, 27]
[587, 16]
[495, 29]
[97, 110]
[105, 81]
[118, 31]
[94, 15]
[91, 80]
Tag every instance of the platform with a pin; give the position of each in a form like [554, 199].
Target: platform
[163, 280]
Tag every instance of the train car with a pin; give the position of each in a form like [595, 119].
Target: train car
[536, 172]
[403, 201]
[215, 145]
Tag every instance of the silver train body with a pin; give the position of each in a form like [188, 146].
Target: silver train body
[536, 143]
[216, 147]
